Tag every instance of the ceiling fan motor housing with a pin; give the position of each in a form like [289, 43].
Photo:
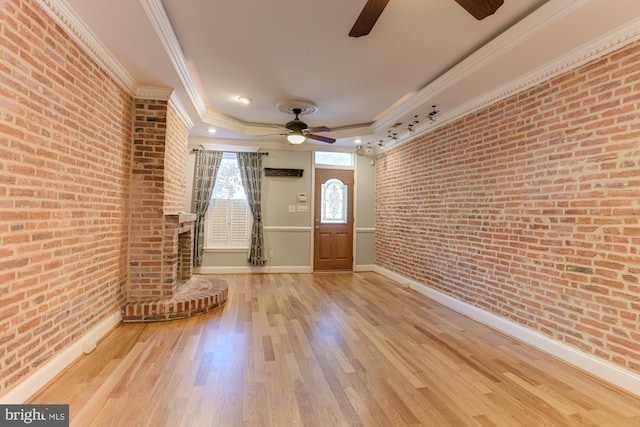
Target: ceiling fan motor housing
[296, 125]
[298, 130]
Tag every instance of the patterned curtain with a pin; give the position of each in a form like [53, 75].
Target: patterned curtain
[250, 165]
[207, 165]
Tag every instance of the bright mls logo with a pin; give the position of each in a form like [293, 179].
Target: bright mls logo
[34, 415]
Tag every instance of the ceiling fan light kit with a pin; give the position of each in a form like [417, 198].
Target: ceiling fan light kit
[297, 130]
[296, 138]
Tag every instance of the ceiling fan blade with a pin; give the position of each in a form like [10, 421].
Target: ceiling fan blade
[480, 9]
[368, 17]
[320, 138]
[319, 129]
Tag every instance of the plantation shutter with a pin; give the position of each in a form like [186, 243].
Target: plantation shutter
[239, 224]
[229, 224]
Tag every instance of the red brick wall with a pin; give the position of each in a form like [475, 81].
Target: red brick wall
[147, 202]
[158, 188]
[530, 208]
[174, 164]
[65, 136]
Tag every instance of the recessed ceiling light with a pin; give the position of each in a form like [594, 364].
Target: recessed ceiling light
[244, 99]
[358, 141]
[211, 130]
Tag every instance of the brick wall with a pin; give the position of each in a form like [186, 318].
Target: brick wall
[65, 136]
[530, 208]
[158, 188]
[147, 202]
[178, 238]
[174, 164]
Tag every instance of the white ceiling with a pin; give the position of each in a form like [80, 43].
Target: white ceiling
[420, 53]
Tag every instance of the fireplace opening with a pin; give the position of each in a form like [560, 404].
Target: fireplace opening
[179, 294]
[179, 248]
[184, 267]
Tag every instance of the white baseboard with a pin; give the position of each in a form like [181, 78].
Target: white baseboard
[250, 270]
[607, 371]
[268, 269]
[30, 386]
[600, 368]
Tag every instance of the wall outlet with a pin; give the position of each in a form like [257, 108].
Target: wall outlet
[88, 347]
[270, 254]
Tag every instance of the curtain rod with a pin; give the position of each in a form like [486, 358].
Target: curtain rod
[195, 150]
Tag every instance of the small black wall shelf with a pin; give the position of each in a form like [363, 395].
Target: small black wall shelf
[282, 172]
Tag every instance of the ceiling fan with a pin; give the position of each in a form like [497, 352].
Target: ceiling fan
[298, 131]
[480, 9]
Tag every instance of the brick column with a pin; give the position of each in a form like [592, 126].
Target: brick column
[146, 244]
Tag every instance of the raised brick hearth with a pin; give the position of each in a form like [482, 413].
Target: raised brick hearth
[178, 294]
[161, 285]
[198, 295]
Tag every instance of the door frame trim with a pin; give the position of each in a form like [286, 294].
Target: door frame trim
[313, 207]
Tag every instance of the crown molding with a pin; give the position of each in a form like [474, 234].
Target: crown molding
[181, 111]
[153, 93]
[595, 49]
[578, 57]
[236, 144]
[64, 16]
[509, 40]
[225, 144]
[160, 22]
[224, 122]
[165, 94]
[158, 17]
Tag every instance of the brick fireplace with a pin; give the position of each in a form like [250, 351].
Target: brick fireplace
[163, 263]
[181, 228]
[161, 285]
[178, 249]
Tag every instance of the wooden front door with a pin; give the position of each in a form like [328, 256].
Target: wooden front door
[333, 220]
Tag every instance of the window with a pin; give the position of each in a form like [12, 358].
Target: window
[333, 202]
[333, 158]
[228, 220]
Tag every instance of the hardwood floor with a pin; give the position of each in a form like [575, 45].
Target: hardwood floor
[331, 349]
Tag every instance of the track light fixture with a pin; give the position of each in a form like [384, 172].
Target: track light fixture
[432, 114]
[411, 127]
[393, 136]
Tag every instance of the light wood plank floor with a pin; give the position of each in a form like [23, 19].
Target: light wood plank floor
[331, 349]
